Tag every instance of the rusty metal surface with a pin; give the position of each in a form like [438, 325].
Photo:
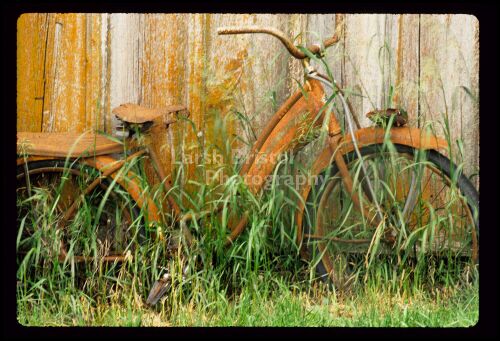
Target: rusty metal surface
[283, 133]
[382, 117]
[107, 172]
[130, 182]
[286, 135]
[294, 51]
[285, 107]
[133, 113]
[31, 158]
[64, 144]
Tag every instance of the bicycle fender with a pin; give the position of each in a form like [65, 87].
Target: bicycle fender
[412, 137]
[129, 181]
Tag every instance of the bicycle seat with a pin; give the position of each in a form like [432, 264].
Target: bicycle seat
[136, 114]
[382, 117]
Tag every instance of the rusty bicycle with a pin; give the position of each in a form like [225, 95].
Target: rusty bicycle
[386, 187]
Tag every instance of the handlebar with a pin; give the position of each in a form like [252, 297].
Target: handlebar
[294, 51]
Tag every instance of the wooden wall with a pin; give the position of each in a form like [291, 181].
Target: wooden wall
[73, 68]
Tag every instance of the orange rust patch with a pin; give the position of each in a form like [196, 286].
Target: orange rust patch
[31, 42]
[236, 63]
[130, 183]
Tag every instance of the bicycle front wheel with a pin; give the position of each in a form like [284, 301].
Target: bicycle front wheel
[430, 209]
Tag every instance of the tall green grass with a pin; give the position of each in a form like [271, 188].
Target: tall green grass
[259, 280]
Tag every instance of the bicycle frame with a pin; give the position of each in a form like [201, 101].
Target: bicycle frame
[280, 135]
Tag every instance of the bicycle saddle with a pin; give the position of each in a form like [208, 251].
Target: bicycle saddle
[136, 114]
[382, 117]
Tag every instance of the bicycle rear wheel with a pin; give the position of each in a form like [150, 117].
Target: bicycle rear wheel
[106, 224]
[430, 210]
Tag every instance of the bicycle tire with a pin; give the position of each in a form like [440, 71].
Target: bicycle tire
[433, 158]
[45, 175]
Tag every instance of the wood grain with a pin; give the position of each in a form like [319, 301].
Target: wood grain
[449, 71]
[65, 88]
[364, 73]
[163, 74]
[405, 38]
[125, 49]
[32, 33]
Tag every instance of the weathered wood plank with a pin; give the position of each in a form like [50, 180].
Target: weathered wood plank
[246, 73]
[387, 59]
[106, 71]
[94, 101]
[382, 63]
[364, 74]
[321, 27]
[226, 86]
[31, 47]
[192, 146]
[449, 80]
[164, 74]
[126, 46]
[64, 103]
[405, 33]
[297, 27]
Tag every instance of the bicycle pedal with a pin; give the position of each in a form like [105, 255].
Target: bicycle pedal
[159, 289]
